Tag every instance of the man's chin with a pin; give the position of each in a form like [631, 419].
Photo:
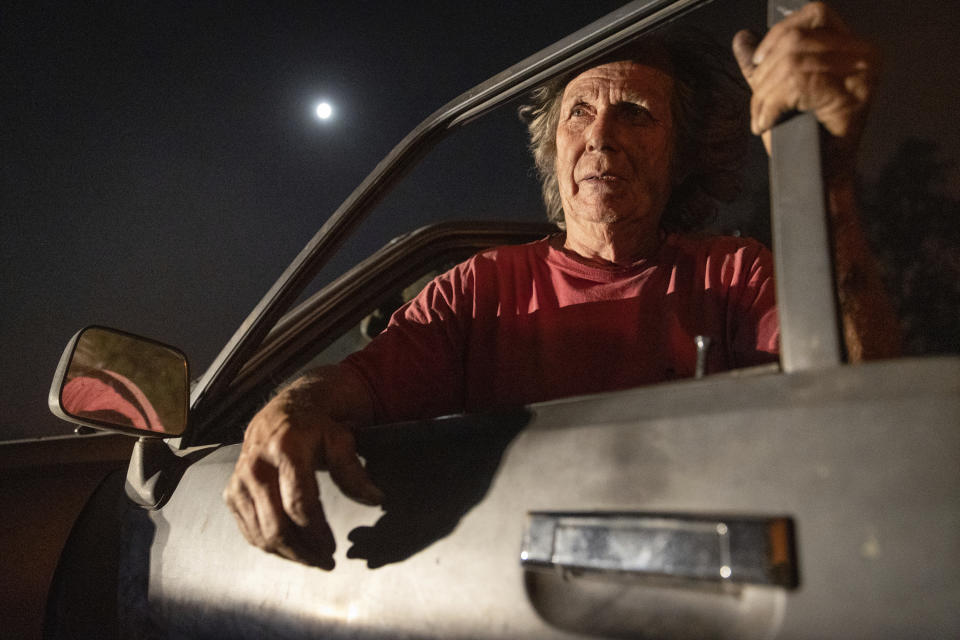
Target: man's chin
[606, 215]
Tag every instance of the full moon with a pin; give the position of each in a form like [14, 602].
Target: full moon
[324, 110]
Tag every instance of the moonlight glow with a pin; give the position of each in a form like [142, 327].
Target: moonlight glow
[324, 110]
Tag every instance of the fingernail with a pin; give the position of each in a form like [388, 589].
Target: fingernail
[762, 124]
[758, 57]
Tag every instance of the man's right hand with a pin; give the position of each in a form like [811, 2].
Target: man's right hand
[273, 491]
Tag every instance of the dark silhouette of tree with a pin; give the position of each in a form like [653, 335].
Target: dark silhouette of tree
[914, 228]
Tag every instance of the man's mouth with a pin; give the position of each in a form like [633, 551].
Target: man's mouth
[602, 178]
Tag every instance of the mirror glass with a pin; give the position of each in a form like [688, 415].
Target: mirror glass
[116, 380]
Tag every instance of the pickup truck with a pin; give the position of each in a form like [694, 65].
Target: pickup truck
[805, 499]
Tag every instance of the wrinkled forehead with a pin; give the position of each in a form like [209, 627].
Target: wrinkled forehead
[624, 78]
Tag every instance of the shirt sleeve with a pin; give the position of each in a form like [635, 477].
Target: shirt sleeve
[414, 368]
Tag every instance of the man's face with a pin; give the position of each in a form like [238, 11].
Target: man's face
[615, 144]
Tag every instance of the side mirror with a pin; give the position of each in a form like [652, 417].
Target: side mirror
[116, 381]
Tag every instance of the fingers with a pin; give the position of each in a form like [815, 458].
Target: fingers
[810, 51]
[273, 492]
[810, 62]
[786, 87]
[309, 539]
[831, 81]
[241, 505]
[253, 495]
[744, 46]
[345, 468]
[815, 15]
[274, 497]
[254, 506]
[298, 489]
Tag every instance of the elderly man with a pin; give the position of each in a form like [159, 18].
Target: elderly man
[628, 157]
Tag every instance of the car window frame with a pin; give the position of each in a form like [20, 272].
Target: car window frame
[573, 52]
[805, 288]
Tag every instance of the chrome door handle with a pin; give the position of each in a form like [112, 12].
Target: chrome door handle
[686, 547]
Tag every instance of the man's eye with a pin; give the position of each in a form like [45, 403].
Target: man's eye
[578, 111]
[634, 110]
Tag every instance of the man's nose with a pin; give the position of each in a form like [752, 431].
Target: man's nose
[601, 135]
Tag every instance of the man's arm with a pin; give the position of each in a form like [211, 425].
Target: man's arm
[871, 328]
[811, 61]
[273, 492]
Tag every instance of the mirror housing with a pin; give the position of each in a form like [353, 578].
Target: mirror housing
[116, 381]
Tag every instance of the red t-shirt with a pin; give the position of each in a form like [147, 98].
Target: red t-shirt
[113, 398]
[521, 324]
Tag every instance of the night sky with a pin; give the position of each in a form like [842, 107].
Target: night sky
[162, 163]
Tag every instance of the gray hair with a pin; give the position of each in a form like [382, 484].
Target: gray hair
[709, 106]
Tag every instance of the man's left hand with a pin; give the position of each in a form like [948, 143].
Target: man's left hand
[811, 61]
